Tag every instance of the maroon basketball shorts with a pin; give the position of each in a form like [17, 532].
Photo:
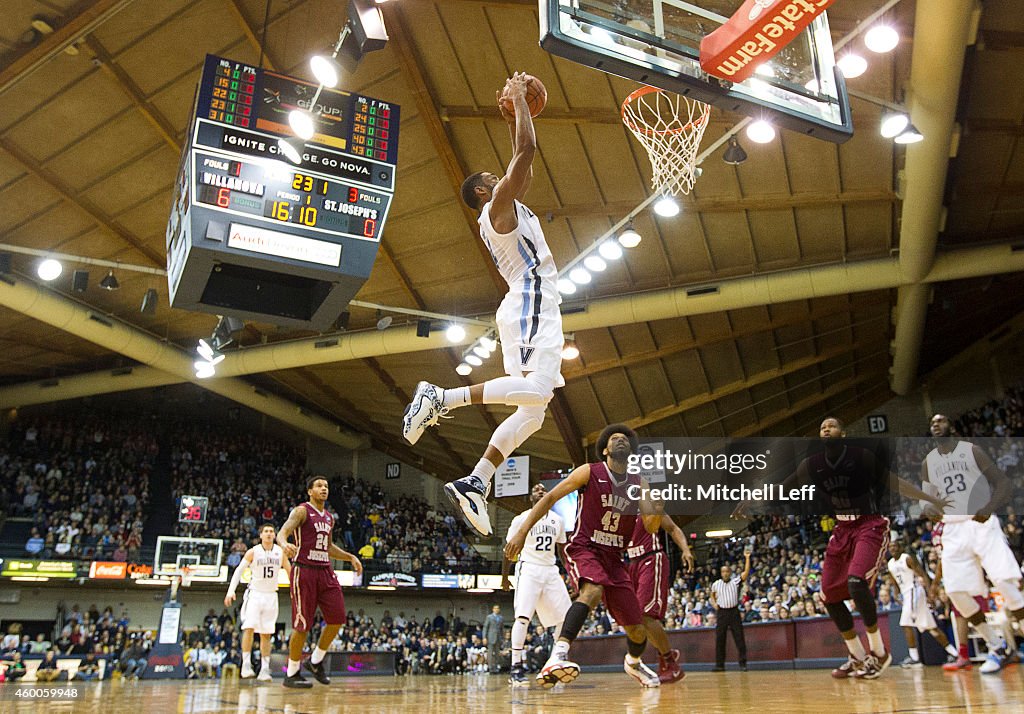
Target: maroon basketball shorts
[604, 567]
[649, 576]
[314, 586]
[856, 548]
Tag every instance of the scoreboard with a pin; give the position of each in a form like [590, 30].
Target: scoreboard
[257, 237]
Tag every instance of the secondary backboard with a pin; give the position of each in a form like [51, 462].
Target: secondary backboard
[657, 42]
[202, 555]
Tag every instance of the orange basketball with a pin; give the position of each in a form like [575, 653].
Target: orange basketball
[536, 97]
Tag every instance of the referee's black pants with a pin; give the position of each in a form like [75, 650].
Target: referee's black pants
[729, 619]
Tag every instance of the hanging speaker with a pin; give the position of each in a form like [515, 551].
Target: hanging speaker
[80, 281]
[149, 301]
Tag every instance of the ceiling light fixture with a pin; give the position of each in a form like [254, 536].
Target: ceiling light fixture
[455, 333]
[760, 131]
[666, 207]
[490, 343]
[474, 360]
[910, 135]
[566, 286]
[610, 250]
[49, 269]
[570, 350]
[595, 263]
[852, 65]
[734, 155]
[302, 123]
[881, 39]
[110, 282]
[326, 70]
[893, 124]
[464, 369]
[629, 238]
[291, 148]
[580, 276]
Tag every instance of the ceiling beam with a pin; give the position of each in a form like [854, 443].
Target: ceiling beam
[135, 94]
[454, 171]
[85, 22]
[742, 385]
[659, 354]
[249, 31]
[727, 205]
[404, 397]
[68, 194]
[805, 404]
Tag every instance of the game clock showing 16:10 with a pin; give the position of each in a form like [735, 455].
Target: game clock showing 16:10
[319, 203]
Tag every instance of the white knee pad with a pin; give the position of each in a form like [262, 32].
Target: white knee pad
[965, 603]
[1011, 594]
[533, 390]
[517, 428]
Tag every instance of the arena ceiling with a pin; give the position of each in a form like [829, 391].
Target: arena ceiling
[91, 129]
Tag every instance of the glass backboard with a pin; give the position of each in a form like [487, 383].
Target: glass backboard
[657, 42]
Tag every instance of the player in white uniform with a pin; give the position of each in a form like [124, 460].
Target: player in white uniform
[529, 321]
[972, 539]
[912, 579]
[259, 604]
[539, 585]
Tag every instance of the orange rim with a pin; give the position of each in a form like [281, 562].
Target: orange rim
[643, 91]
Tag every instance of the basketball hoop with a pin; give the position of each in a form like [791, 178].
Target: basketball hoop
[670, 127]
[186, 576]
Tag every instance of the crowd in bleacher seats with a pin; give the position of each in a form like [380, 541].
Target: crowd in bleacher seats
[88, 636]
[251, 480]
[437, 645]
[83, 483]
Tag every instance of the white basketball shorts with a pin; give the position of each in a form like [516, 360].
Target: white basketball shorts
[530, 329]
[968, 548]
[259, 612]
[540, 589]
[916, 612]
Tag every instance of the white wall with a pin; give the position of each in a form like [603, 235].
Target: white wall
[143, 606]
[370, 465]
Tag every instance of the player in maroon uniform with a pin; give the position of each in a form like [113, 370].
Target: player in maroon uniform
[609, 501]
[649, 572]
[847, 476]
[313, 582]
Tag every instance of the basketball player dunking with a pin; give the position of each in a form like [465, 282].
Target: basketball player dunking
[529, 322]
[973, 543]
[313, 582]
[259, 604]
[649, 572]
[906, 569]
[606, 515]
[539, 585]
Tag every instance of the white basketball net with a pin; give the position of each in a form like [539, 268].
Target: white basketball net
[186, 576]
[670, 127]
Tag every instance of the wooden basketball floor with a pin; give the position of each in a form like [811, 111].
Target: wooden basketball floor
[794, 692]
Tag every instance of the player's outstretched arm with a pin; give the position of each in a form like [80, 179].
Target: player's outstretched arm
[746, 566]
[340, 554]
[236, 577]
[295, 520]
[1002, 488]
[909, 490]
[510, 122]
[679, 538]
[506, 584]
[579, 478]
[524, 148]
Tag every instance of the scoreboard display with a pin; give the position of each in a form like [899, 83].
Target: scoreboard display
[254, 235]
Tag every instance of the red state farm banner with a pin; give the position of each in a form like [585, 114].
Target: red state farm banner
[755, 34]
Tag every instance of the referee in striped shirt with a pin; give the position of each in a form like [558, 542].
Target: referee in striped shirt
[725, 596]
